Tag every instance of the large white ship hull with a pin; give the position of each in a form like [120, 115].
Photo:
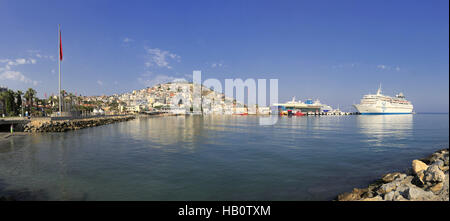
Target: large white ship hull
[380, 109]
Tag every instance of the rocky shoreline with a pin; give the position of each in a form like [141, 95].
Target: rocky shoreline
[72, 124]
[427, 180]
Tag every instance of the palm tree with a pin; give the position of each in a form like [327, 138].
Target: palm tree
[54, 102]
[71, 96]
[29, 96]
[51, 101]
[79, 100]
[63, 104]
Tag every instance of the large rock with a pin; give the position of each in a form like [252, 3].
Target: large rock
[403, 190]
[419, 181]
[418, 166]
[356, 194]
[417, 194]
[368, 194]
[374, 186]
[440, 164]
[377, 198]
[348, 197]
[400, 180]
[437, 187]
[389, 196]
[399, 197]
[390, 177]
[386, 188]
[434, 174]
[360, 192]
[436, 156]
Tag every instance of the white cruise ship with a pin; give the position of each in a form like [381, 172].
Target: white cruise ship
[382, 104]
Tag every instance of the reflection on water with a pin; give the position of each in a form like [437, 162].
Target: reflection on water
[185, 130]
[161, 132]
[378, 128]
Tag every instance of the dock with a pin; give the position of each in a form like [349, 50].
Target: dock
[331, 113]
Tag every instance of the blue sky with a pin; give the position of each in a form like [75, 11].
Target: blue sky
[335, 51]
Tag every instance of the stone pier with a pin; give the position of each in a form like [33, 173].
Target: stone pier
[65, 124]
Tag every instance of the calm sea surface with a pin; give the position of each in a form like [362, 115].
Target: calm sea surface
[217, 157]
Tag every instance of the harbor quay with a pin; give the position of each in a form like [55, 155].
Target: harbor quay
[58, 124]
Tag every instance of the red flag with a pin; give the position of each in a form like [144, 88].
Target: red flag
[60, 47]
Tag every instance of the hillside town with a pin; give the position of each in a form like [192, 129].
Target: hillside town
[175, 98]
[172, 98]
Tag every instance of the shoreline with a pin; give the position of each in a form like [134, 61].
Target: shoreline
[426, 180]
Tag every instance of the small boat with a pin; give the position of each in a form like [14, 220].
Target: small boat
[299, 113]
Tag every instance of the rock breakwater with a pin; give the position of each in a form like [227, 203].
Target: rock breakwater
[427, 180]
[72, 124]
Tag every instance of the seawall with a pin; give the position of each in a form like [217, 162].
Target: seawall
[427, 180]
[63, 125]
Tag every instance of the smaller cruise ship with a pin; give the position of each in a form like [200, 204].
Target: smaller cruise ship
[382, 104]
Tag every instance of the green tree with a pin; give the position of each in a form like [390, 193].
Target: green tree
[114, 106]
[18, 95]
[29, 97]
[79, 100]
[51, 101]
[71, 98]
[3, 102]
[63, 98]
[9, 102]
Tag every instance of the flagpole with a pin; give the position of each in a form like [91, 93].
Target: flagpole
[59, 65]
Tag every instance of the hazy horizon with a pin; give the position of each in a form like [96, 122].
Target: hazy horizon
[328, 50]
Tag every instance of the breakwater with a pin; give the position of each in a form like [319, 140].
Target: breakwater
[62, 125]
[427, 180]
